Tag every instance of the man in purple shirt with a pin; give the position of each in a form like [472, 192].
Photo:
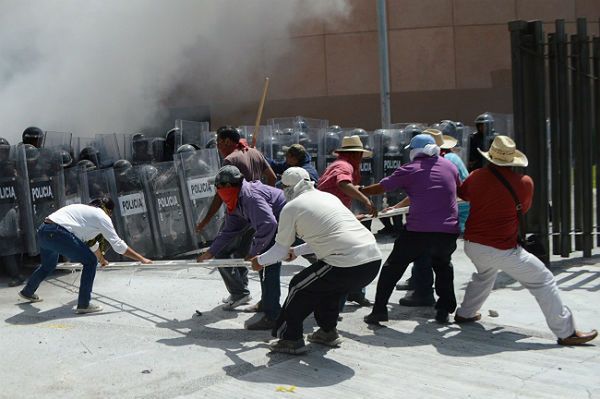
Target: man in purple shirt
[257, 205]
[430, 181]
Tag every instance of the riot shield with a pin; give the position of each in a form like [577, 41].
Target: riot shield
[191, 132]
[17, 232]
[264, 140]
[108, 149]
[195, 169]
[74, 186]
[389, 154]
[133, 209]
[402, 125]
[308, 132]
[462, 147]
[503, 124]
[175, 232]
[58, 140]
[46, 184]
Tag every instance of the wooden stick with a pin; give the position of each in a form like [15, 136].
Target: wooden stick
[260, 110]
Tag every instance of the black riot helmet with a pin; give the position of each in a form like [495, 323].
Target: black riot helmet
[364, 137]
[212, 143]
[412, 130]
[4, 150]
[485, 123]
[334, 128]
[122, 165]
[186, 148]
[448, 127]
[91, 154]
[158, 149]
[303, 138]
[34, 136]
[150, 171]
[86, 165]
[66, 158]
[32, 153]
[139, 142]
[332, 142]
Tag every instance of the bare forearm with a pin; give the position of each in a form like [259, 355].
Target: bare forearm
[373, 189]
[403, 203]
[352, 191]
[131, 254]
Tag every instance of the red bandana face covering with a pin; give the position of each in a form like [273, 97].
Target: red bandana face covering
[229, 195]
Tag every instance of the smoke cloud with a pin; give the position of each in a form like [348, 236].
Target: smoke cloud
[101, 66]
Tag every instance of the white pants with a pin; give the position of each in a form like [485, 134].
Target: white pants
[526, 269]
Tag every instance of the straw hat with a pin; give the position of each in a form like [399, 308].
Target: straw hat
[353, 144]
[443, 141]
[503, 152]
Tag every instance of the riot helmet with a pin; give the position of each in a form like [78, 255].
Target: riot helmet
[412, 130]
[212, 143]
[485, 124]
[303, 138]
[186, 148]
[91, 154]
[150, 172]
[4, 150]
[448, 128]
[32, 153]
[33, 136]
[122, 165]
[86, 165]
[364, 137]
[302, 125]
[334, 128]
[158, 149]
[332, 142]
[66, 158]
[139, 143]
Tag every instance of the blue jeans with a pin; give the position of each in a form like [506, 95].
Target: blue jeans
[55, 240]
[271, 290]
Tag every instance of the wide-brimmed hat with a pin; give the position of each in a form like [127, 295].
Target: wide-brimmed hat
[353, 144]
[443, 141]
[503, 152]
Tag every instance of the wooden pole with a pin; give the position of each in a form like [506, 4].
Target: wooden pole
[259, 114]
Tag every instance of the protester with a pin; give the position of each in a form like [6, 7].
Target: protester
[253, 165]
[295, 155]
[342, 179]
[65, 232]
[491, 241]
[256, 205]
[349, 259]
[430, 182]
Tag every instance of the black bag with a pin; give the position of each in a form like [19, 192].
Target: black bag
[532, 244]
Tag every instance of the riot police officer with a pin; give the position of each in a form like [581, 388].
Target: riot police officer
[33, 136]
[480, 139]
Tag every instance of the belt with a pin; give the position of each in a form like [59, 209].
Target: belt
[48, 221]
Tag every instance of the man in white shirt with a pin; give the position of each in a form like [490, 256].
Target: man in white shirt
[349, 259]
[65, 232]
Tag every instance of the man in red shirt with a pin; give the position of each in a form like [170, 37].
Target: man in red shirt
[491, 242]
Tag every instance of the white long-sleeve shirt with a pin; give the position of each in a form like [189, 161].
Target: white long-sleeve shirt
[86, 222]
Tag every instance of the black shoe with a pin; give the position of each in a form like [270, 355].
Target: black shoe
[375, 318]
[405, 286]
[412, 300]
[387, 230]
[262, 324]
[361, 300]
[441, 316]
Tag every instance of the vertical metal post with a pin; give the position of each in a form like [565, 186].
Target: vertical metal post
[384, 64]
[529, 94]
[564, 156]
[576, 140]
[554, 143]
[586, 137]
[596, 68]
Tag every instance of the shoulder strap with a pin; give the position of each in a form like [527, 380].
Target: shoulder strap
[515, 198]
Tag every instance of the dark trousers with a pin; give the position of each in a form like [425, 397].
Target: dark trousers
[236, 278]
[422, 277]
[55, 240]
[408, 247]
[318, 289]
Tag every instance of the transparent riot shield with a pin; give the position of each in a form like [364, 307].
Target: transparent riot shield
[58, 140]
[390, 153]
[175, 230]
[264, 140]
[46, 184]
[191, 132]
[308, 132]
[17, 232]
[108, 149]
[402, 125]
[133, 208]
[462, 147]
[503, 125]
[74, 186]
[195, 169]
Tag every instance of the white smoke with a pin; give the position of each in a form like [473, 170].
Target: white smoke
[100, 66]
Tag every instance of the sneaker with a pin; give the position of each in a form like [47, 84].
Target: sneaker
[293, 347]
[331, 338]
[361, 300]
[262, 324]
[375, 318]
[441, 316]
[234, 303]
[412, 300]
[227, 299]
[91, 308]
[256, 308]
[578, 338]
[30, 298]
